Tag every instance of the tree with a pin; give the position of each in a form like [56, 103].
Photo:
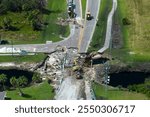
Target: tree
[41, 4]
[36, 78]
[7, 23]
[13, 82]
[3, 80]
[26, 5]
[22, 81]
[13, 5]
[36, 24]
[3, 9]
[30, 5]
[33, 15]
[18, 83]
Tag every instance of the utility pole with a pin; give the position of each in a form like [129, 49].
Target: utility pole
[106, 76]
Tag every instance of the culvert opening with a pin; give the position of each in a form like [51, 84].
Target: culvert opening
[99, 61]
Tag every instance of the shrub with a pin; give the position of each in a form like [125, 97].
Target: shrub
[126, 21]
[36, 78]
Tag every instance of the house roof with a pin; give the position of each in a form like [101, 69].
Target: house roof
[2, 95]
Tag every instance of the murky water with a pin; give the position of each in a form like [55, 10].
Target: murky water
[16, 73]
[127, 78]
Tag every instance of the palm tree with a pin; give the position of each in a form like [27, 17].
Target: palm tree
[36, 78]
[18, 83]
[3, 80]
[21, 82]
[13, 82]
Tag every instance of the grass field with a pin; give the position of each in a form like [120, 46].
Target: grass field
[99, 34]
[116, 94]
[83, 7]
[26, 35]
[41, 91]
[137, 35]
[31, 58]
[52, 32]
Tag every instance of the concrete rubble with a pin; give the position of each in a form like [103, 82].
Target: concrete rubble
[58, 67]
[65, 69]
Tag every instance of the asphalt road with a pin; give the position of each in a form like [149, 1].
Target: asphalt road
[109, 28]
[76, 39]
[89, 26]
[71, 41]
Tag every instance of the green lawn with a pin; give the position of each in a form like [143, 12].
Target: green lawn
[83, 7]
[135, 36]
[53, 31]
[26, 35]
[124, 56]
[36, 92]
[99, 34]
[116, 94]
[31, 58]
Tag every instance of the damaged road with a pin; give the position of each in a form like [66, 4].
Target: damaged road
[66, 70]
[71, 89]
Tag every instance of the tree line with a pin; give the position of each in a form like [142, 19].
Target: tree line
[18, 83]
[33, 9]
[21, 5]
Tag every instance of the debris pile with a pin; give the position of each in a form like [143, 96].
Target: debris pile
[66, 71]
[55, 63]
[89, 75]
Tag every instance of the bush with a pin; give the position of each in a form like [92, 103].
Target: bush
[126, 21]
[36, 78]
[19, 5]
[3, 42]
[3, 9]
[141, 88]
